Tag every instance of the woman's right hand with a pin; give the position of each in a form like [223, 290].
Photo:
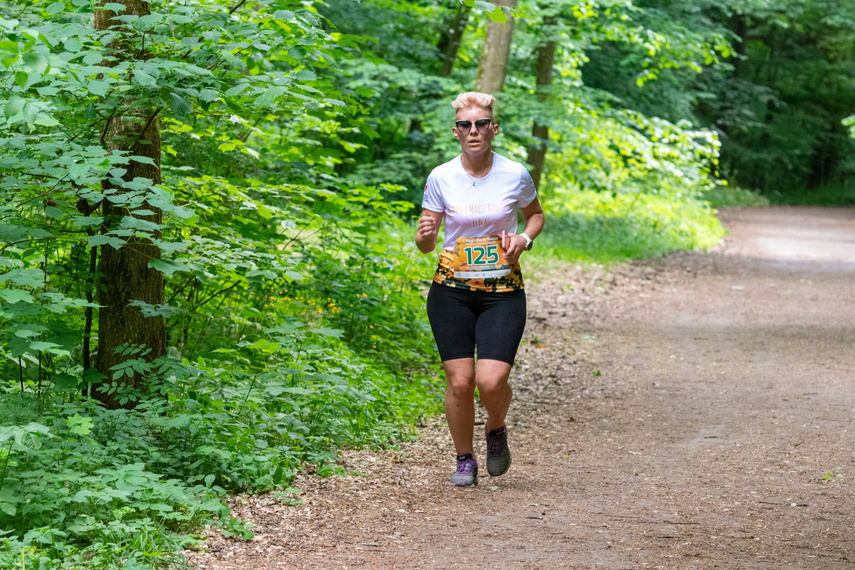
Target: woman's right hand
[428, 230]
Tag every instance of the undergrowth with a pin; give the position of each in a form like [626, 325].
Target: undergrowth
[601, 227]
[731, 196]
[828, 196]
[290, 372]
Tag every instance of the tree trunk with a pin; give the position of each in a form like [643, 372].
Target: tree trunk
[494, 56]
[545, 63]
[124, 273]
[452, 35]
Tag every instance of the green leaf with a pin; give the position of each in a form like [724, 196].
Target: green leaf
[99, 88]
[144, 78]
[236, 89]
[269, 96]
[337, 333]
[78, 171]
[112, 241]
[47, 122]
[14, 106]
[73, 45]
[304, 75]
[56, 8]
[498, 15]
[9, 46]
[208, 95]
[297, 390]
[22, 79]
[114, 7]
[80, 425]
[93, 58]
[16, 296]
[42, 346]
[37, 62]
[86, 221]
[180, 106]
[183, 212]
[29, 277]
[265, 346]
[28, 331]
[167, 266]
[143, 160]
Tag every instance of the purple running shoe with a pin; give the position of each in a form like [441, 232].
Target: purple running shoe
[467, 471]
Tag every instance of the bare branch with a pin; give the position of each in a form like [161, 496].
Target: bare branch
[238, 5]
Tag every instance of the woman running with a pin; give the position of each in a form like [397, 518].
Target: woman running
[477, 296]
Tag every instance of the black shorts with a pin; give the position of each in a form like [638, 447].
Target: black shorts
[462, 319]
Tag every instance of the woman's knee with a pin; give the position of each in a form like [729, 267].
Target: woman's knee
[492, 377]
[461, 387]
[493, 387]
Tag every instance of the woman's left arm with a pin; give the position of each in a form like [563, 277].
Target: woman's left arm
[515, 244]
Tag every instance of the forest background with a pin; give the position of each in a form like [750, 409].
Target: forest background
[207, 273]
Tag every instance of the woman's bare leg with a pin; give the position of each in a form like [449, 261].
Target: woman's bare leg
[460, 401]
[491, 377]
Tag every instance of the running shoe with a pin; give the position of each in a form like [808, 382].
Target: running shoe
[467, 472]
[498, 454]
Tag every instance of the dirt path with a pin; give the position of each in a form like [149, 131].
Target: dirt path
[691, 412]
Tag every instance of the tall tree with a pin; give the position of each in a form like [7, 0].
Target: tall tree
[543, 79]
[495, 53]
[125, 275]
[452, 35]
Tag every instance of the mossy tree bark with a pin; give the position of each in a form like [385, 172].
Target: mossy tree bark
[124, 272]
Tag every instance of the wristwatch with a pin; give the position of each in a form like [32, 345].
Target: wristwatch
[528, 241]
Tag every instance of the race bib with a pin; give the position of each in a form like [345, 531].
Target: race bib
[479, 258]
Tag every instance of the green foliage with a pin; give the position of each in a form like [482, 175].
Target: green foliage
[727, 196]
[293, 308]
[606, 228]
[829, 196]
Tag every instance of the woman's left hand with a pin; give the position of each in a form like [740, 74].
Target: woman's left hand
[514, 245]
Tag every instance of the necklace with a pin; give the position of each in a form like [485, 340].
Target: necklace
[475, 179]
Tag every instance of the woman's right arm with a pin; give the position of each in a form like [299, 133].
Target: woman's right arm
[428, 230]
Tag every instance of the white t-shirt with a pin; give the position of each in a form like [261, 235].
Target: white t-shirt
[478, 207]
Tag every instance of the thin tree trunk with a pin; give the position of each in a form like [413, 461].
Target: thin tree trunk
[494, 56]
[125, 275]
[540, 131]
[452, 36]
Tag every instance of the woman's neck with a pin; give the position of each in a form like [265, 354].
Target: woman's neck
[477, 165]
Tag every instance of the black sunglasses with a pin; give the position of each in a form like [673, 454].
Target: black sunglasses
[480, 124]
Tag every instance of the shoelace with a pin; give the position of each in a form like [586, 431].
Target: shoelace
[495, 443]
[467, 466]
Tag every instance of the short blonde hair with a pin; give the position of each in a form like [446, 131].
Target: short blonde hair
[474, 99]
